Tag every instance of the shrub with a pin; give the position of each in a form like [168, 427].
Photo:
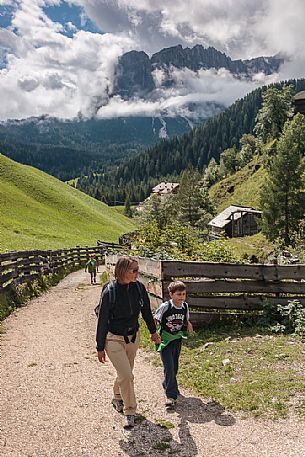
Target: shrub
[288, 318]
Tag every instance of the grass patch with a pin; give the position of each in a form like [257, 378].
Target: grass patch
[140, 418]
[104, 277]
[254, 245]
[162, 445]
[165, 424]
[243, 370]
[247, 184]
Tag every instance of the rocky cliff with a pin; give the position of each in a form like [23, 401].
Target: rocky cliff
[134, 73]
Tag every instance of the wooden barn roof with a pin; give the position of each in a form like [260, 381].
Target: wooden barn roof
[300, 95]
[225, 217]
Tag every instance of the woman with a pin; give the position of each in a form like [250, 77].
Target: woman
[118, 331]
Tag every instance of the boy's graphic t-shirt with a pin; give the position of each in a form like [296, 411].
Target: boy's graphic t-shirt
[172, 319]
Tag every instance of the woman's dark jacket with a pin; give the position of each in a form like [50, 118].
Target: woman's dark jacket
[121, 318]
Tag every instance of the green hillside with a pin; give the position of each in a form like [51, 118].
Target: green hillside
[247, 183]
[41, 212]
[134, 178]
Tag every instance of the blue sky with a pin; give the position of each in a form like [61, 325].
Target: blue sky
[6, 13]
[59, 57]
[71, 14]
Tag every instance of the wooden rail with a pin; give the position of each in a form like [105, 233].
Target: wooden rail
[25, 266]
[111, 246]
[220, 290]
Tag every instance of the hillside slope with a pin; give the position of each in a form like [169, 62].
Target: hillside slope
[40, 212]
[242, 188]
[169, 158]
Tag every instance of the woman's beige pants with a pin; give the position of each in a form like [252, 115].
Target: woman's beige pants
[122, 357]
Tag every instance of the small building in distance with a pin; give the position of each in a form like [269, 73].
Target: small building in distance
[165, 188]
[235, 221]
[299, 102]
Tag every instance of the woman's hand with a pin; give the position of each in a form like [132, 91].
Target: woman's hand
[155, 337]
[101, 356]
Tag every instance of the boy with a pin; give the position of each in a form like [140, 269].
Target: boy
[173, 318]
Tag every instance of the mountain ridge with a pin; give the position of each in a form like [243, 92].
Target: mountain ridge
[134, 72]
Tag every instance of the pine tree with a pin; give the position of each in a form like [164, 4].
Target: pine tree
[283, 196]
[98, 195]
[274, 112]
[228, 162]
[154, 210]
[127, 208]
[248, 145]
[192, 199]
[211, 174]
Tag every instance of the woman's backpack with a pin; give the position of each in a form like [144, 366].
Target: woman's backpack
[111, 287]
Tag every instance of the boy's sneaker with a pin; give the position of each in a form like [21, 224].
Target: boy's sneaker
[118, 405]
[129, 421]
[170, 402]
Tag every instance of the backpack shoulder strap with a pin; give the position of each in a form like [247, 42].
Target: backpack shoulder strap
[140, 289]
[111, 286]
[168, 303]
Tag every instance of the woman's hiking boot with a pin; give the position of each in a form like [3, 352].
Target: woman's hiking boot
[118, 405]
[129, 421]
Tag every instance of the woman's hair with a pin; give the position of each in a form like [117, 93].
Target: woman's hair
[122, 266]
[175, 286]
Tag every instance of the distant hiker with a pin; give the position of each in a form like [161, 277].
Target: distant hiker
[173, 318]
[91, 267]
[97, 262]
[118, 331]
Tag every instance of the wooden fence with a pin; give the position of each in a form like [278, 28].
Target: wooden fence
[215, 290]
[19, 267]
[222, 290]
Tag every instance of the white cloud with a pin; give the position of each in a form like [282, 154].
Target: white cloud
[206, 89]
[48, 72]
[70, 26]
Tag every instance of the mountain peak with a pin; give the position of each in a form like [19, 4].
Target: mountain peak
[134, 73]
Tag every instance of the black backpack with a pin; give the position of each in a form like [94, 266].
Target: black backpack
[111, 287]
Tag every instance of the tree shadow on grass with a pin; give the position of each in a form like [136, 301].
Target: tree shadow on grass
[149, 438]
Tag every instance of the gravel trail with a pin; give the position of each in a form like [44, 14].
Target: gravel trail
[55, 395]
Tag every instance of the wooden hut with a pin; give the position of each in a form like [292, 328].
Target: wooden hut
[299, 103]
[235, 221]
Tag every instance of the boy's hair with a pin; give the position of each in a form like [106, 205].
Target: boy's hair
[175, 286]
[122, 266]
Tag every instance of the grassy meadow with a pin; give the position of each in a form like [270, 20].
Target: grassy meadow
[244, 369]
[40, 212]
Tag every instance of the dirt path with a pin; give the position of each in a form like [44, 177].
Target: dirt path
[55, 396]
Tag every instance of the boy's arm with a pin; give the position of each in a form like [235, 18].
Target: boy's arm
[189, 326]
